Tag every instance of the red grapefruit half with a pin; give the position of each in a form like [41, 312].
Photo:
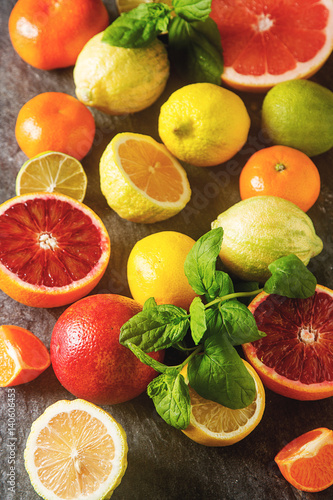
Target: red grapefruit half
[266, 42]
[295, 359]
[53, 249]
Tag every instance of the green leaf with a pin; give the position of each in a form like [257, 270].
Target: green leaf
[201, 261]
[149, 304]
[195, 50]
[223, 286]
[138, 27]
[171, 398]
[192, 10]
[239, 323]
[155, 328]
[290, 278]
[214, 321]
[220, 374]
[146, 359]
[197, 319]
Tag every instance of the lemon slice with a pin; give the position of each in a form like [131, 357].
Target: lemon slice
[212, 424]
[75, 450]
[51, 171]
[126, 5]
[141, 180]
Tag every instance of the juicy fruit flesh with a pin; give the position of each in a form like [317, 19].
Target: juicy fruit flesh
[299, 338]
[82, 450]
[271, 39]
[141, 161]
[48, 242]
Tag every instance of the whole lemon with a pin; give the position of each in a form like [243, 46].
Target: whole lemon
[117, 80]
[299, 114]
[155, 268]
[203, 124]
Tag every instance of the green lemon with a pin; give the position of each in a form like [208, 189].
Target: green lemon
[118, 81]
[299, 114]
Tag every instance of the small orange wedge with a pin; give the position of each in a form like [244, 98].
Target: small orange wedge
[22, 356]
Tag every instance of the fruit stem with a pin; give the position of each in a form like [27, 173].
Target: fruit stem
[233, 296]
[279, 167]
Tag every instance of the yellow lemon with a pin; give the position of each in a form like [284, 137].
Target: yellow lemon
[116, 80]
[203, 124]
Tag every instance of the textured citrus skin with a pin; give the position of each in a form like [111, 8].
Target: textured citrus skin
[261, 229]
[87, 357]
[50, 35]
[281, 171]
[54, 121]
[291, 342]
[155, 268]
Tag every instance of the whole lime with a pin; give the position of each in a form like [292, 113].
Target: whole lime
[299, 114]
[118, 80]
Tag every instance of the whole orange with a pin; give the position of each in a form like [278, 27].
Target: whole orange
[281, 171]
[54, 121]
[50, 34]
[86, 355]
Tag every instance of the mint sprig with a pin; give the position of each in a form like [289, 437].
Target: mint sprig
[218, 322]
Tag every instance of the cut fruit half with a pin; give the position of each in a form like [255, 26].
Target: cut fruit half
[265, 43]
[75, 450]
[295, 359]
[307, 461]
[212, 424]
[51, 171]
[53, 249]
[22, 356]
[141, 180]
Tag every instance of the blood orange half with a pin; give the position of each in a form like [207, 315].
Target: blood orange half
[53, 249]
[295, 359]
[266, 42]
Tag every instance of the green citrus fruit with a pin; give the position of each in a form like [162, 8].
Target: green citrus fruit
[261, 229]
[299, 114]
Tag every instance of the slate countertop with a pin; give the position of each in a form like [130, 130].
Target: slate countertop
[163, 464]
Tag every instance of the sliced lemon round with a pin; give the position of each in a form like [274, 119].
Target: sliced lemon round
[141, 180]
[75, 450]
[52, 171]
[126, 5]
[212, 424]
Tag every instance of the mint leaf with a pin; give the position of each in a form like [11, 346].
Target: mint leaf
[220, 374]
[149, 304]
[146, 359]
[155, 328]
[214, 321]
[290, 278]
[171, 398]
[197, 319]
[138, 27]
[192, 10]
[223, 286]
[239, 323]
[195, 50]
[200, 263]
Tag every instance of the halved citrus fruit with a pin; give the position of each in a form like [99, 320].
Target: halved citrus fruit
[52, 171]
[295, 359]
[307, 461]
[22, 356]
[141, 180]
[265, 43]
[53, 249]
[212, 424]
[75, 450]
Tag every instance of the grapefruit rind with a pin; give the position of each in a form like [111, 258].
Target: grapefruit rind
[278, 383]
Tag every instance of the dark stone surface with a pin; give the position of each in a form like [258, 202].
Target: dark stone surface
[163, 464]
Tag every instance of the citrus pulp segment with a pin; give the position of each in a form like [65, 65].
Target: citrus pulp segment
[265, 43]
[22, 356]
[53, 249]
[51, 171]
[307, 461]
[75, 450]
[295, 358]
[141, 180]
[212, 424]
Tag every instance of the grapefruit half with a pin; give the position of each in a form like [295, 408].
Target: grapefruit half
[295, 359]
[53, 249]
[271, 41]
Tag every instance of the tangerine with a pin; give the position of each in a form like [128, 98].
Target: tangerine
[281, 171]
[49, 35]
[54, 121]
